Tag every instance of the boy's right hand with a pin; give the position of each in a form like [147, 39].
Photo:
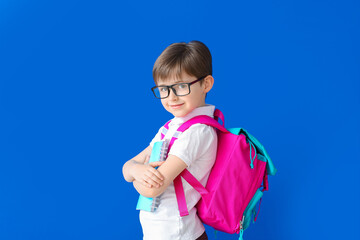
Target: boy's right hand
[147, 175]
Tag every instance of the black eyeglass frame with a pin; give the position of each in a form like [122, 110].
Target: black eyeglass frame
[171, 86]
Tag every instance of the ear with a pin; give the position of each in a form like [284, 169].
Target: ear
[208, 83]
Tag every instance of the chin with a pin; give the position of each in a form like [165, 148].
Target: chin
[178, 113]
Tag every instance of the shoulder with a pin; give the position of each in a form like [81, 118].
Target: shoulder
[200, 130]
[196, 141]
[196, 137]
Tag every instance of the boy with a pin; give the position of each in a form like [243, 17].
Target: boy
[183, 77]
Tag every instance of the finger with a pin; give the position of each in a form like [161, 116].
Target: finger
[151, 177]
[146, 184]
[151, 182]
[156, 173]
[155, 176]
[156, 164]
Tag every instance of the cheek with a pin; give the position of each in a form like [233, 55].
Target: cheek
[196, 98]
[164, 103]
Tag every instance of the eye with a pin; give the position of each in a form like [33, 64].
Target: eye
[163, 89]
[182, 86]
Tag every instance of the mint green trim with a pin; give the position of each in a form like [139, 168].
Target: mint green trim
[261, 157]
[241, 234]
[235, 131]
[271, 170]
[251, 208]
[253, 215]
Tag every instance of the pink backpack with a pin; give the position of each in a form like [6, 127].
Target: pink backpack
[235, 182]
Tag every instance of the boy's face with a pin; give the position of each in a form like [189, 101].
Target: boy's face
[180, 106]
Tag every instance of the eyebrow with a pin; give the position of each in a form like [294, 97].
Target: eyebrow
[178, 81]
[181, 81]
[175, 82]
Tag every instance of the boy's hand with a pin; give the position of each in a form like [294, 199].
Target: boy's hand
[147, 175]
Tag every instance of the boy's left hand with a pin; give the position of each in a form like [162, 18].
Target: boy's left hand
[147, 175]
[154, 165]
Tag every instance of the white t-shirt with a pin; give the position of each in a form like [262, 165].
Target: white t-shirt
[197, 147]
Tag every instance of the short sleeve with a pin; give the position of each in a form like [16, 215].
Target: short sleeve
[194, 143]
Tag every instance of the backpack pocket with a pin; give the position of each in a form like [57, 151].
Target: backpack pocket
[250, 209]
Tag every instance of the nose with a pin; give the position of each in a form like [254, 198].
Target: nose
[172, 94]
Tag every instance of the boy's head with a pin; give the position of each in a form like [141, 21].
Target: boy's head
[193, 58]
[189, 66]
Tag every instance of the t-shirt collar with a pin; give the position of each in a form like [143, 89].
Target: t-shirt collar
[204, 110]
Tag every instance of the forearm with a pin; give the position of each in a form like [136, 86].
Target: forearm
[148, 191]
[170, 169]
[139, 160]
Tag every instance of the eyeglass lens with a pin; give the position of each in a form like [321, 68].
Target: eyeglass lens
[180, 89]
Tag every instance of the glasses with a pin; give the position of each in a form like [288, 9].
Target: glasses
[179, 89]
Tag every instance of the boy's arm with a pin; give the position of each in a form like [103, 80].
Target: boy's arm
[170, 169]
[145, 174]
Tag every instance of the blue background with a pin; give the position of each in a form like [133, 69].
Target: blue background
[75, 104]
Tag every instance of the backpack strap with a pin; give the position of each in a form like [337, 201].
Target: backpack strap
[179, 190]
[203, 119]
[180, 196]
[218, 114]
[164, 129]
[174, 137]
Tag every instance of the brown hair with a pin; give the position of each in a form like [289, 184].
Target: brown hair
[193, 58]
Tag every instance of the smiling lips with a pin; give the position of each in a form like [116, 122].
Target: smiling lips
[176, 106]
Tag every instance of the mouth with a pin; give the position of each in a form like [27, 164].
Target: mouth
[176, 106]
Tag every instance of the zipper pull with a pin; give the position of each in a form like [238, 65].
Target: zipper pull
[241, 228]
[251, 158]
